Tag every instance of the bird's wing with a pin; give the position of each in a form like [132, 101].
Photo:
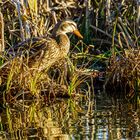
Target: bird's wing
[30, 46]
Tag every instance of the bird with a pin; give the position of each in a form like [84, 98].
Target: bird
[43, 52]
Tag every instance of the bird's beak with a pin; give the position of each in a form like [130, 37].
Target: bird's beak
[76, 32]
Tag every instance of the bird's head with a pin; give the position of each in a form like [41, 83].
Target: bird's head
[67, 26]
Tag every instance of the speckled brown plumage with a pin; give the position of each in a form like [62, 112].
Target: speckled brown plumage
[43, 52]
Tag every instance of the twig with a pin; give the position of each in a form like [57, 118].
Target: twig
[138, 17]
[110, 36]
[2, 47]
[108, 13]
[18, 7]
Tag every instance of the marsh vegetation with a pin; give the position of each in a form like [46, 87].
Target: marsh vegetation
[106, 59]
[110, 44]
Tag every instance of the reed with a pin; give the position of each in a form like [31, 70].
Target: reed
[2, 46]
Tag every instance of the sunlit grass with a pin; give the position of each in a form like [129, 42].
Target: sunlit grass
[9, 119]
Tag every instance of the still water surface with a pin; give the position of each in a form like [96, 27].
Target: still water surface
[79, 118]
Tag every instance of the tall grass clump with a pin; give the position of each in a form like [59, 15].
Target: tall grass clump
[123, 72]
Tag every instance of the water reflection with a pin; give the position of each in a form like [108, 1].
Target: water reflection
[81, 118]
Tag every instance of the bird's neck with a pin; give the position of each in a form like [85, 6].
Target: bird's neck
[63, 42]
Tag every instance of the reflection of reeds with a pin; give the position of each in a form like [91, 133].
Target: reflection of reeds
[32, 119]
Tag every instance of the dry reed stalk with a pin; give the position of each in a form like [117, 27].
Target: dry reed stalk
[138, 18]
[2, 47]
[103, 32]
[26, 23]
[18, 7]
[123, 29]
[33, 7]
[108, 13]
[88, 4]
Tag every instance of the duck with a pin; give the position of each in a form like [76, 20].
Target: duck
[43, 52]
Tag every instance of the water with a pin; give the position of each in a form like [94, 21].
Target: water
[79, 118]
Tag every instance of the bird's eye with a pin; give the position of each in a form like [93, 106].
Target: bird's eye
[64, 27]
